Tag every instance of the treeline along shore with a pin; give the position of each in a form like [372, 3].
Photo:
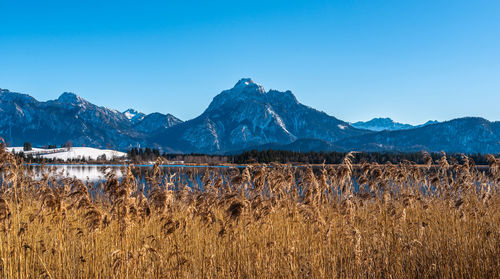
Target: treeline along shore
[149, 155]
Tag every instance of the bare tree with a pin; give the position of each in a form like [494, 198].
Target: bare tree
[69, 145]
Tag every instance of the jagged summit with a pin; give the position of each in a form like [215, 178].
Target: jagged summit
[245, 90]
[133, 115]
[244, 82]
[131, 111]
[246, 86]
[70, 98]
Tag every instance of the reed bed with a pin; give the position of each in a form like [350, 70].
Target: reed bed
[274, 221]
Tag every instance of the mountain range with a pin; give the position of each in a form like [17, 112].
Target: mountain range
[241, 118]
[72, 118]
[380, 124]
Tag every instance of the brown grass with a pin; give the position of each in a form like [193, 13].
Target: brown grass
[273, 221]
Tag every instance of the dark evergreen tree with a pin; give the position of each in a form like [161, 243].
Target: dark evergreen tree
[27, 146]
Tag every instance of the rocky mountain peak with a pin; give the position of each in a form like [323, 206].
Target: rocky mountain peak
[244, 82]
[13, 97]
[133, 115]
[247, 86]
[244, 91]
[70, 98]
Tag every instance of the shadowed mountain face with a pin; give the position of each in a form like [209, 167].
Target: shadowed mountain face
[241, 118]
[300, 145]
[463, 135]
[247, 115]
[153, 122]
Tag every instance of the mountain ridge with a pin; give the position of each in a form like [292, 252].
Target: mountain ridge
[378, 124]
[459, 135]
[69, 117]
[243, 117]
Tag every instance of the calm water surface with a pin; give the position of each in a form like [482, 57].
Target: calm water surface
[96, 173]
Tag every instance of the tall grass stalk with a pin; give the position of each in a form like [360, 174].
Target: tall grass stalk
[404, 221]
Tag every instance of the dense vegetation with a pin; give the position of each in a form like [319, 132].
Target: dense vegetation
[143, 154]
[281, 156]
[147, 155]
[286, 157]
[150, 154]
[403, 221]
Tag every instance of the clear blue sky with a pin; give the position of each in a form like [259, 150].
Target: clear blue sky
[409, 60]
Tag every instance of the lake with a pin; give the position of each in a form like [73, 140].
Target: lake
[178, 175]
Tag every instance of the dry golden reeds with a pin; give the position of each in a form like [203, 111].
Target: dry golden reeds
[269, 221]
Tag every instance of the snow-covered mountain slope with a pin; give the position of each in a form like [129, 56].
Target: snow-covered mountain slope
[71, 153]
[133, 115]
[248, 115]
[381, 124]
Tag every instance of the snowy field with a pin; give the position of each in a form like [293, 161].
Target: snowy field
[73, 153]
